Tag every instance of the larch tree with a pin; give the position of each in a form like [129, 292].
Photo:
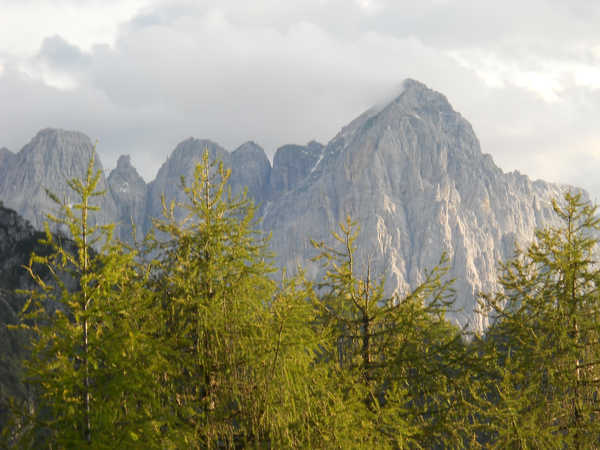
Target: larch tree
[399, 366]
[89, 353]
[546, 337]
[236, 346]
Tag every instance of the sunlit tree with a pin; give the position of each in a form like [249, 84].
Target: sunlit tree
[546, 337]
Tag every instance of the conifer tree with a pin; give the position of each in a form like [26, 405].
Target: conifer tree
[398, 364]
[88, 350]
[546, 337]
[237, 347]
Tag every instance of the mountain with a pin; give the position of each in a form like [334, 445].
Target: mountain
[181, 163]
[17, 240]
[250, 169]
[128, 190]
[291, 165]
[410, 171]
[49, 159]
[413, 175]
[5, 156]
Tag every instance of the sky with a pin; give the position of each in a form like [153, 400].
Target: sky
[139, 76]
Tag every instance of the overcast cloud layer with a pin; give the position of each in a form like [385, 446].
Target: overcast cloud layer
[141, 75]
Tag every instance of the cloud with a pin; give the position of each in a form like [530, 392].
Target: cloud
[58, 53]
[208, 77]
[86, 22]
[525, 74]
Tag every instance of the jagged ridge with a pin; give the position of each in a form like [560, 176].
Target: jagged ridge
[411, 171]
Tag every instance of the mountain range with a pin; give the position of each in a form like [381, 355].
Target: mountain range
[411, 172]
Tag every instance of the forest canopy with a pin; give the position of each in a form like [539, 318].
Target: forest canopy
[192, 339]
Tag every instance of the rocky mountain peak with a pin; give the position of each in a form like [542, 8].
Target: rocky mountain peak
[419, 129]
[250, 147]
[417, 99]
[128, 189]
[412, 173]
[250, 168]
[51, 158]
[124, 177]
[192, 149]
[292, 164]
[50, 141]
[180, 163]
[124, 163]
[409, 170]
[60, 153]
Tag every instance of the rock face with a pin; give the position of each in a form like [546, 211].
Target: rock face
[51, 158]
[292, 164]
[6, 156]
[413, 175]
[17, 240]
[128, 190]
[410, 172]
[181, 163]
[251, 169]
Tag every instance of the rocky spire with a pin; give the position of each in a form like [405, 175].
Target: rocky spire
[128, 189]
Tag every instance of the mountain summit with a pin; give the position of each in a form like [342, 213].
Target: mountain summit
[410, 171]
[413, 175]
[49, 159]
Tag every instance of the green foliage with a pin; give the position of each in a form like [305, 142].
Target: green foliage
[546, 337]
[88, 347]
[193, 341]
[395, 359]
[237, 346]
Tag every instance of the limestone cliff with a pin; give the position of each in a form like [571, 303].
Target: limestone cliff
[46, 162]
[413, 175]
[410, 171]
[128, 190]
